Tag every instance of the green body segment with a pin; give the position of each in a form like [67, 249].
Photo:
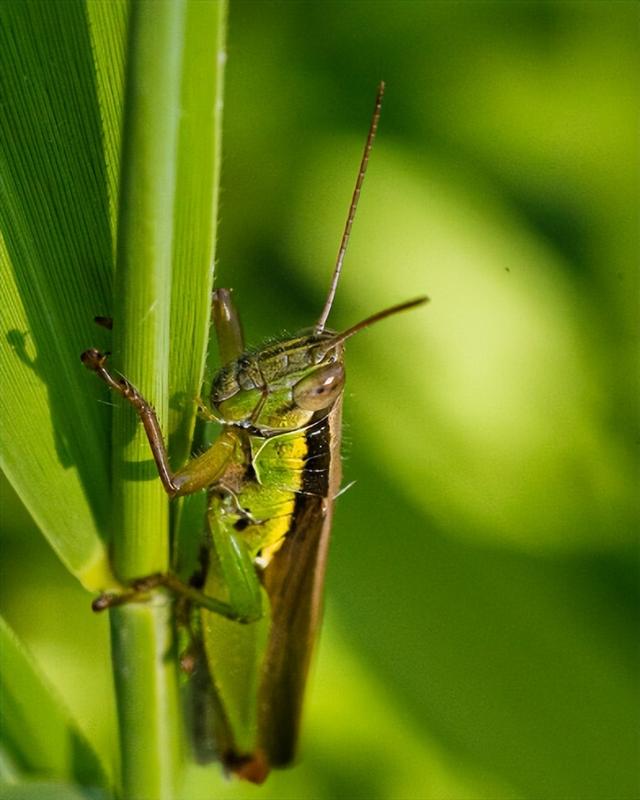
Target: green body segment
[257, 494]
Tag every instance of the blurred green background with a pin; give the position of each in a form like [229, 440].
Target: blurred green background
[480, 637]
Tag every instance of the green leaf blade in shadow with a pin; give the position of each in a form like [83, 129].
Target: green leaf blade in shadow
[108, 26]
[56, 264]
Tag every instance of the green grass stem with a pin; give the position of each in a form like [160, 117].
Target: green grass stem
[164, 275]
[145, 674]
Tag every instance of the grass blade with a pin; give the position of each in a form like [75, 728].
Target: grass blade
[56, 267]
[195, 214]
[38, 733]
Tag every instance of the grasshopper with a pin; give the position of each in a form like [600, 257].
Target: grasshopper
[270, 478]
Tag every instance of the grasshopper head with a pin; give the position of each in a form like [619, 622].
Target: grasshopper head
[289, 384]
[283, 386]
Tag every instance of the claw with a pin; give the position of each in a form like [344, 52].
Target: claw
[103, 602]
[93, 359]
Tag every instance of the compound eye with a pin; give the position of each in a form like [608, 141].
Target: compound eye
[320, 389]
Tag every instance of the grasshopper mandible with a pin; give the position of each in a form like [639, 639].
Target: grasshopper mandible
[271, 478]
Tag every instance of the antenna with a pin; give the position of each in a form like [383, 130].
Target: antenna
[365, 323]
[319, 327]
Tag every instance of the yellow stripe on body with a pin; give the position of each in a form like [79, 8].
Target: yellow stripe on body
[279, 464]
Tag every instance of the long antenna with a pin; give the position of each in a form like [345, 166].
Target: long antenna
[365, 323]
[352, 210]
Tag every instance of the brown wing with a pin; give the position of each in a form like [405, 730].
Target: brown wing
[294, 581]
